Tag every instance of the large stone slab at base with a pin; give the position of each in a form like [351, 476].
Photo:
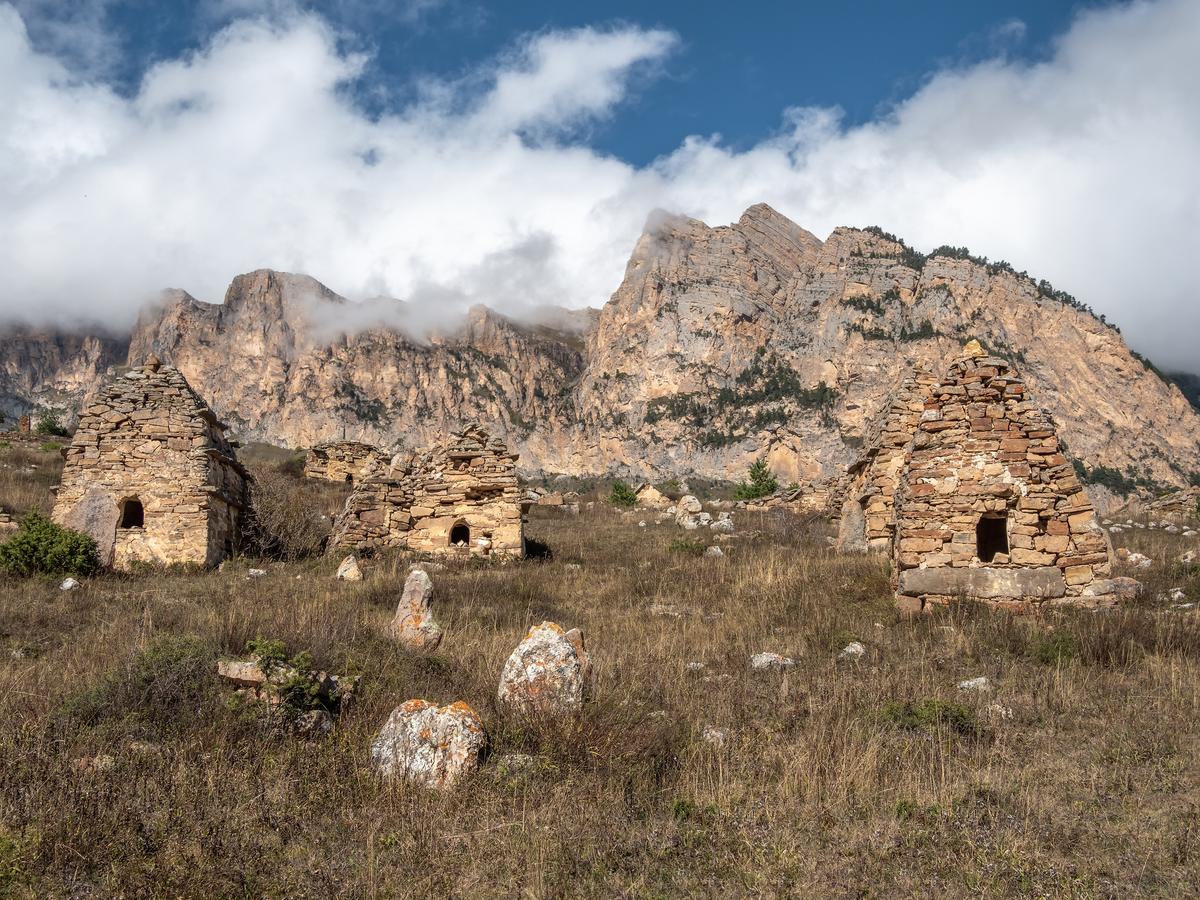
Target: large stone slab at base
[95, 515]
[985, 583]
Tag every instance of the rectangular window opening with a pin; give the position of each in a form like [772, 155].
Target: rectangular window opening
[991, 537]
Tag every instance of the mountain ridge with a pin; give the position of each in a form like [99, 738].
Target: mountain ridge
[720, 345]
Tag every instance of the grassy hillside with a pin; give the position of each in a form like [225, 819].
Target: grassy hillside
[126, 769]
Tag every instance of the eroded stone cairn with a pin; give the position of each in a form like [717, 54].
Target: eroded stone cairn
[868, 520]
[150, 475]
[988, 507]
[461, 497]
[344, 461]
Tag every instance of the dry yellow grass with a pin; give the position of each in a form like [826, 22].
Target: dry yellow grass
[1091, 788]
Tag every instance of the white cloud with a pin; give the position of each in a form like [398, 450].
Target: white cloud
[250, 153]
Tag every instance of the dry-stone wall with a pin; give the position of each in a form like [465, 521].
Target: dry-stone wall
[988, 506]
[345, 461]
[150, 476]
[868, 519]
[460, 497]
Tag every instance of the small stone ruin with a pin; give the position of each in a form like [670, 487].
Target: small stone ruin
[150, 475]
[987, 506]
[344, 461]
[460, 497]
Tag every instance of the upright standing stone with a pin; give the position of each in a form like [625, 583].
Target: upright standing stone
[413, 625]
[549, 674]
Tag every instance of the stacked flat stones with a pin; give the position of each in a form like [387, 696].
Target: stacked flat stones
[344, 461]
[868, 519]
[467, 480]
[983, 447]
[149, 437]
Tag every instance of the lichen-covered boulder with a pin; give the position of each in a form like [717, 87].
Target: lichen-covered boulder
[549, 674]
[428, 745]
[414, 625]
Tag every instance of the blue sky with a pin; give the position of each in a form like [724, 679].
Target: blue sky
[735, 68]
[448, 152]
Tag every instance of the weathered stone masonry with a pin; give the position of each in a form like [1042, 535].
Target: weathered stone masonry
[345, 461]
[988, 506]
[150, 476]
[460, 497]
[868, 520]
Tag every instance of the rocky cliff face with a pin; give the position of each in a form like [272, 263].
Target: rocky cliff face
[720, 345]
[53, 370]
[266, 361]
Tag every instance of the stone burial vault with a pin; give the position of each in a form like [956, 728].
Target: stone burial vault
[346, 461]
[460, 497]
[150, 476]
[966, 484]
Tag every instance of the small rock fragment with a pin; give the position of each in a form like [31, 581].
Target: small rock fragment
[718, 737]
[853, 651]
[979, 684]
[766, 660]
[349, 570]
[713, 552]
[69, 584]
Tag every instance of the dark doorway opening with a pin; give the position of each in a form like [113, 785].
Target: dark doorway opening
[991, 537]
[460, 534]
[349, 478]
[132, 513]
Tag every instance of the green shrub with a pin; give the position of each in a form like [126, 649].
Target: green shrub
[931, 713]
[48, 423]
[689, 546]
[42, 548]
[622, 495]
[50, 446]
[1051, 649]
[761, 484]
[164, 687]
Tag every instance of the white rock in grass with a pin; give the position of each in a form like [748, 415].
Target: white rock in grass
[548, 674]
[762, 662]
[979, 684]
[853, 651]
[69, 584]
[696, 666]
[431, 746]
[713, 551]
[256, 573]
[1139, 561]
[718, 737]
[349, 570]
[1188, 558]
